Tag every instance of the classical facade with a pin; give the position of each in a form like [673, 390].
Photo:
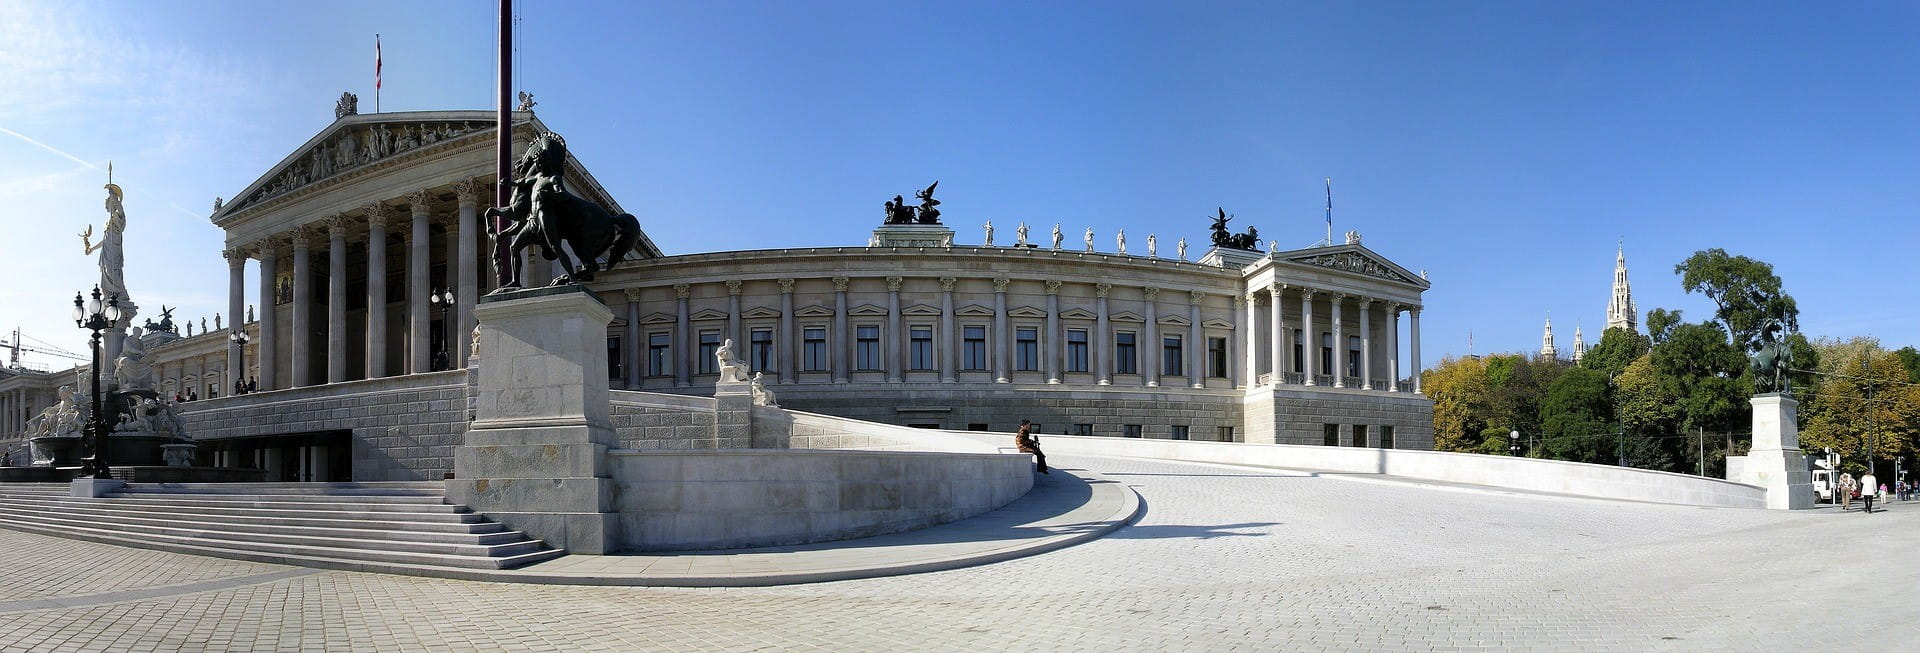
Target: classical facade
[368, 246]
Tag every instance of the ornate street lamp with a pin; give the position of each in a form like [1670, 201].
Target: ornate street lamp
[239, 337]
[90, 315]
[444, 300]
[1513, 437]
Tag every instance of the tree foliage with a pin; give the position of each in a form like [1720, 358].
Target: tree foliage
[1837, 412]
[1458, 388]
[1618, 347]
[1745, 290]
[1576, 414]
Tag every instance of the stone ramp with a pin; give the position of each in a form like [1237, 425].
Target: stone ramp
[386, 527]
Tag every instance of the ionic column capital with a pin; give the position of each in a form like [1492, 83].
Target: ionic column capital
[1053, 286]
[839, 284]
[893, 284]
[633, 295]
[681, 290]
[733, 286]
[1000, 284]
[1101, 289]
[1194, 297]
[946, 284]
[1151, 292]
[786, 286]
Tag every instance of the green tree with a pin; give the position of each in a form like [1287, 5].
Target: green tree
[1576, 414]
[1910, 359]
[1618, 347]
[1704, 374]
[1458, 388]
[1660, 324]
[1839, 414]
[1745, 290]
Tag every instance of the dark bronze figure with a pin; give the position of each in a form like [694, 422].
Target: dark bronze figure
[545, 213]
[1772, 362]
[929, 214]
[1228, 240]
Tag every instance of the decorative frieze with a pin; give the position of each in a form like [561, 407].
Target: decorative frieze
[353, 148]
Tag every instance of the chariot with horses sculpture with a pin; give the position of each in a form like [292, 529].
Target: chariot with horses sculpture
[546, 214]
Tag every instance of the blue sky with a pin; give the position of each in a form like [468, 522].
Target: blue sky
[1503, 147]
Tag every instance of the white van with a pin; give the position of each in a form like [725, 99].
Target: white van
[1823, 485]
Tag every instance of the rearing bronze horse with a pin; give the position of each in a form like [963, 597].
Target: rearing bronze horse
[545, 213]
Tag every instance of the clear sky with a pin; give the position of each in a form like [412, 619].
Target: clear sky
[1503, 147]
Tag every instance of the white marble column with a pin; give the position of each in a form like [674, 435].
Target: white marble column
[1002, 335]
[1102, 339]
[1052, 346]
[302, 309]
[236, 300]
[337, 298]
[1413, 313]
[467, 290]
[786, 348]
[949, 345]
[378, 216]
[1339, 342]
[419, 320]
[1277, 326]
[1244, 361]
[1150, 372]
[1393, 348]
[269, 317]
[894, 336]
[1197, 356]
[631, 340]
[740, 344]
[840, 343]
[1366, 343]
[1311, 347]
[683, 355]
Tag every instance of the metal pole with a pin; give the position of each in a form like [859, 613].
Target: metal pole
[1703, 450]
[97, 467]
[502, 266]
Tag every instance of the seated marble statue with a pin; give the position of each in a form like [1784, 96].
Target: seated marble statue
[761, 395]
[732, 370]
[132, 371]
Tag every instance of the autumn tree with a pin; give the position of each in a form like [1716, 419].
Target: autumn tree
[1746, 292]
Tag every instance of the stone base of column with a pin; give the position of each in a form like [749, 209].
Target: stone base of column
[1775, 462]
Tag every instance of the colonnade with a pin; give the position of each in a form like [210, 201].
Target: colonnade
[381, 222]
[1306, 367]
[18, 405]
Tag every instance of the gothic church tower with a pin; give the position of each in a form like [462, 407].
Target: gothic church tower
[1620, 310]
[1547, 350]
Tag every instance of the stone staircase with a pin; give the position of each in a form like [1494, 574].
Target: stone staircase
[385, 527]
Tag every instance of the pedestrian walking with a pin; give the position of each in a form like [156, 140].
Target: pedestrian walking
[1845, 489]
[1024, 440]
[1868, 486]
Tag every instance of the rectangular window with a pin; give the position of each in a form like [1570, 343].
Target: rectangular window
[920, 352]
[1026, 349]
[1226, 434]
[709, 344]
[762, 352]
[1353, 355]
[976, 426]
[814, 350]
[1076, 350]
[1386, 437]
[1299, 352]
[974, 349]
[659, 354]
[1359, 435]
[1172, 362]
[1130, 430]
[1330, 435]
[1217, 358]
[866, 347]
[1326, 353]
[1082, 429]
[1123, 356]
[614, 358]
[1179, 432]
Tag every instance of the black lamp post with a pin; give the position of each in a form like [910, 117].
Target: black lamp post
[239, 337]
[1513, 439]
[90, 315]
[444, 301]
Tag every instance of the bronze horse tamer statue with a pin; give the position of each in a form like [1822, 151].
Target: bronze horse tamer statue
[545, 213]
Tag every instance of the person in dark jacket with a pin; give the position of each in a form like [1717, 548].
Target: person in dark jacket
[1024, 440]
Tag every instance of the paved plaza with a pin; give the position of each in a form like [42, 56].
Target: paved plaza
[1224, 558]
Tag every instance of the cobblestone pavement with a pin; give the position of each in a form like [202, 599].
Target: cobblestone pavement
[1225, 558]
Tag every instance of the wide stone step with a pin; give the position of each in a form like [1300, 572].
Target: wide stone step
[445, 514]
[289, 497]
[335, 546]
[312, 556]
[393, 531]
[434, 489]
[242, 501]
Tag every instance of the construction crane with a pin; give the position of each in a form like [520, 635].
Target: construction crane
[13, 359]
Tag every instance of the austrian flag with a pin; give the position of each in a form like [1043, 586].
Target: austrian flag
[376, 62]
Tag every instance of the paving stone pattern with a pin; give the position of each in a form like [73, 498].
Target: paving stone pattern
[1225, 558]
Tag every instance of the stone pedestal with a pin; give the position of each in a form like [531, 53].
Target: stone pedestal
[912, 235]
[733, 415]
[1775, 463]
[1232, 259]
[93, 488]
[535, 457]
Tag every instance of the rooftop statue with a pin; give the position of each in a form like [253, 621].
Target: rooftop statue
[929, 214]
[900, 212]
[166, 321]
[1249, 241]
[546, 214]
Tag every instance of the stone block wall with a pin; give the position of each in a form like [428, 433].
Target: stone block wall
[1300, 416]
[404, 428]
[1000, 407]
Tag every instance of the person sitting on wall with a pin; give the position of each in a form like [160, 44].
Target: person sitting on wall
[1024, 440]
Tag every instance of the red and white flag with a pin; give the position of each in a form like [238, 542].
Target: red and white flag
[376, 62]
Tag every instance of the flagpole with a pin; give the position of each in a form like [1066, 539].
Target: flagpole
[503, 151]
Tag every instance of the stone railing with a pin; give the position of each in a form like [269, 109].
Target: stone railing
[1264, 379]
[1323, 379]
[1295, 378]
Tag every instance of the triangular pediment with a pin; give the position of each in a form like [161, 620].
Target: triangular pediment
[921, 310]
[1217, 324]
[358, 142]
[867, 310]
[1174, 320]
[707, 314]
[813, 311]
[1355, 259]
[1077, 314]
[759, 312]
[974, 310]
[657, 318]
[1026, 311]
[1126, 316]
